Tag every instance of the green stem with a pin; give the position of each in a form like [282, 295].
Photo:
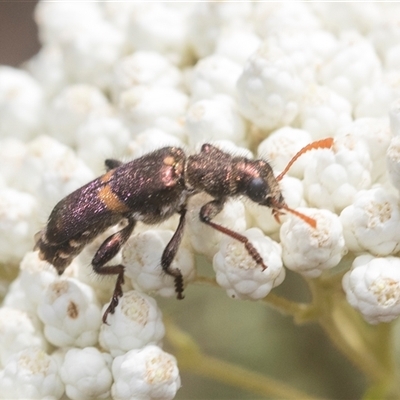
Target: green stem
[205, 280]
[368, 347]
[301, 312]
[190, 358]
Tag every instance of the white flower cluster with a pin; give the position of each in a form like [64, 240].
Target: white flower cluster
[42, 310]
[118, 80]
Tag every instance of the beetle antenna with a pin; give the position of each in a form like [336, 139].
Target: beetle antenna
[310, 221]
[319, 144]
[277, 212]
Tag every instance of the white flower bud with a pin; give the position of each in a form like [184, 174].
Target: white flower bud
[386, 34]
[309, 250]
[34, 277]
[21, 104]
[307, 49]
[333, 177]
[144, 68]
[239, 274]
[51, 171]
[86, 374]
[136, 322]
[371, 223]
[393, 161]
[372, 287]
[145, 374]
[57, 20]
[374, 101]
[144, 107]
[237, 44]
[161, 28]
[354, 66]
[375, 132]
[48, 69]
[18, 224]
[281, 146]
[394, 115]
[323, 111]
[99, 138]
[142, 257]
[342, 17]
[19, 331]
[71, 107]
[90, 53]
[31, 374]
[271, 17]
[149, 140]
[270, 89]
[71, 313]
[214, 119]
[213, 75]
[13, 152]
[208, 19]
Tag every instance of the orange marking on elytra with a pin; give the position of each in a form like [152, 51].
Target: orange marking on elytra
[169, 160]
[107, 176]
[111, 200]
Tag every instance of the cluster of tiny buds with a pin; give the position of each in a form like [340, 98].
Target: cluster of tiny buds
[313, 95]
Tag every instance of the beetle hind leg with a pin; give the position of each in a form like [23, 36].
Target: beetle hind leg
[109, 249]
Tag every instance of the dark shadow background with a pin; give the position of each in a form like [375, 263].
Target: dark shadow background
[18, 33]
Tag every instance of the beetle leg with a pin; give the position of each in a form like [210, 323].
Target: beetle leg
[169, 254]
[213, 208]
[109, 249]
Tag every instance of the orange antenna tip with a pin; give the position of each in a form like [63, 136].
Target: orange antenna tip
[326, 143]
[310, 221]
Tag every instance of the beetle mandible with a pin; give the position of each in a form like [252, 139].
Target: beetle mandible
[151, 189]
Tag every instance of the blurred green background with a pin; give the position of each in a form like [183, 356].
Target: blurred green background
[260, 339]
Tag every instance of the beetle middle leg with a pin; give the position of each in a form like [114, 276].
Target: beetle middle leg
[212, 209]
[169, 254]
[109, 249]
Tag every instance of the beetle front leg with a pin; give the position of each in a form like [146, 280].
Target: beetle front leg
[109, 249]
[212, 209]
[169, 254]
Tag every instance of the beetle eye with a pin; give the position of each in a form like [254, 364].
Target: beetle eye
[257, 190]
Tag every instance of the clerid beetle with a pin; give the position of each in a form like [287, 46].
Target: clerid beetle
[151, 189]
